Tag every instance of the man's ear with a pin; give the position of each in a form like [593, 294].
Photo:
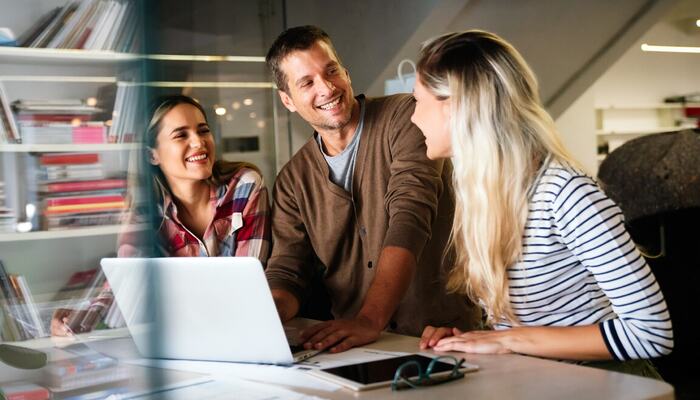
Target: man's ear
[287, 101]
[153, 156]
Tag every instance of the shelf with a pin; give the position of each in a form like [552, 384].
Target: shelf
[66, 148]
[76, 56]
[61, 234]
[67, 56]
[642, 131]
[659, 106]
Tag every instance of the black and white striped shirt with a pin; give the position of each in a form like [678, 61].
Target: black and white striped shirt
[580, 267]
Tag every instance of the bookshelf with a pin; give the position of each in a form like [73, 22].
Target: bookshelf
[616, 124]
[252, 128]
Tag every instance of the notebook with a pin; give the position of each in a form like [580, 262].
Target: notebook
[200, 308]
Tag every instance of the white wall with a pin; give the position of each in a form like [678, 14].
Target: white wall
[637, 78]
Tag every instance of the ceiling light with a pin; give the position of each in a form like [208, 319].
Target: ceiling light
[670, 49]
[236, 105]
[220, 111]
[697, 23]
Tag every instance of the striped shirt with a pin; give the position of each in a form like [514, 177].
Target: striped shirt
[579, 266]
[240, 227]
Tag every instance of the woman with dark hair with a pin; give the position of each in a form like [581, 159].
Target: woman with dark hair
[538, 243]
[203, 206]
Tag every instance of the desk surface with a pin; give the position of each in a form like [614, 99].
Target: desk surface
[499, 377]
[515, 376]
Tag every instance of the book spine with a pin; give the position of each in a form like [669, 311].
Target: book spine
[33, 311]
[85, 208]
[12, 303]
[80, 186]
[69, 158]
[64, 201]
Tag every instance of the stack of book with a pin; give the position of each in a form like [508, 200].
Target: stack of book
[75, 191]
[86, 24]
[21, 317]
[78, 371]
[69, 121]
[7, 216]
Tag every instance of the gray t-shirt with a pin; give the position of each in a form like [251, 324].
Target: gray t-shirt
[342, 166]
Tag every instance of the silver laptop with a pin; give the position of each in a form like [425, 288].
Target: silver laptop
[200, 308]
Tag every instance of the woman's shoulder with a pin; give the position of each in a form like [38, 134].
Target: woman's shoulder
[560, 178]
[562, 172]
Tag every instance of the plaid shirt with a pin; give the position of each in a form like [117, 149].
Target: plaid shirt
[241, 224]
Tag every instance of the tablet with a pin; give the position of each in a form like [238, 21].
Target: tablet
[374, 374]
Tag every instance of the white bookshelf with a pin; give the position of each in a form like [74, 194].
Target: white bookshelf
[618, 123]
[66, 148]
[60, 234]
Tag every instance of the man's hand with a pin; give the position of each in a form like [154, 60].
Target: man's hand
[59, 320]
[286, 303]
[340, 335]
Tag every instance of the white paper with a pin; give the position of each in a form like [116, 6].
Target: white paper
[224, 389]
[292, 377]
[353, 356]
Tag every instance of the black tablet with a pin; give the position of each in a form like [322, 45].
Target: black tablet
[373, 374]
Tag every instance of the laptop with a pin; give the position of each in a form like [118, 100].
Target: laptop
[201, 308]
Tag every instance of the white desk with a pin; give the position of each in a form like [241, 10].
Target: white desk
[500, 377]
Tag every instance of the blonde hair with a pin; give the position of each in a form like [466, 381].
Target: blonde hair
[501, 136]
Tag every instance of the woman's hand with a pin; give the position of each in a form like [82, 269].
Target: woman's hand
[432, 335]
[59, 321]
[478, 342]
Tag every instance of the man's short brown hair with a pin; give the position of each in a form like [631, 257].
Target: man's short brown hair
[293, 39]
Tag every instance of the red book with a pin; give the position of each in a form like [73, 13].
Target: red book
[89, 134]
[83, 38]
[82, 186]
[69, 158]
[66, 201]
[692, 112]
[24, 391]
[85, 208]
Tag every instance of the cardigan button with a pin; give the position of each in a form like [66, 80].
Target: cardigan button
[363, 231]
[369, 265]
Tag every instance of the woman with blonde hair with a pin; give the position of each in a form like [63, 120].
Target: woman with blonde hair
[538, 244]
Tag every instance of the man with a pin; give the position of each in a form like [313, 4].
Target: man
[362, 200]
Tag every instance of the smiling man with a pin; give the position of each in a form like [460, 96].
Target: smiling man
[361, 200]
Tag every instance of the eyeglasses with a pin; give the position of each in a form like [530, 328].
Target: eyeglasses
[406, 377]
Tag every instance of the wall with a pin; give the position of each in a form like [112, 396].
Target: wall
[637, 78]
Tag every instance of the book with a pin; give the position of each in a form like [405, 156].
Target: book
[23, 391]
[81, 186]
[81, 371]
[56, 24]
[37, 326]
[85, 200]
[69, 25]
[26, 38]
[69, 158]
[70, 221]
[7, 120]
[85, 208]
[11, 305]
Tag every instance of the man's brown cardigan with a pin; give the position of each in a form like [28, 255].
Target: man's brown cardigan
[399, 198]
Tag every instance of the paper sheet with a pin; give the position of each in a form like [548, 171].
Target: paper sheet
[295, 376]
